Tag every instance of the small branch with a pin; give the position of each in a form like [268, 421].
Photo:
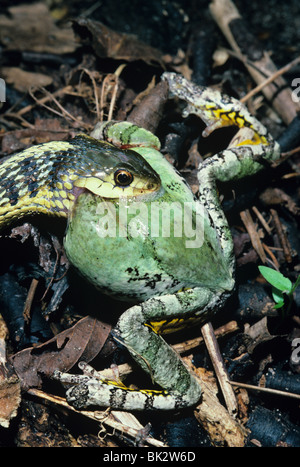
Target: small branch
[272, 256]
[262, 220]
[282, 237]
[186, 346]
[271, 78]
[29, 299]
[221, 372]
[262, 389]
[251, 229]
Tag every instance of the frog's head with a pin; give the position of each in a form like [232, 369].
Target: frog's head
[115, 173]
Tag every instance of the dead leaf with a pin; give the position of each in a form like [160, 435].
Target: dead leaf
[32, 28]
[222, 428]
[24, 80]
[276, 196]
[10, 396]
[44, 131]
[83, 341]
[148, 113]
[112, 44]
[258, 334]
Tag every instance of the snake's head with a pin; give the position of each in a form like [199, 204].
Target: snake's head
[113, 173]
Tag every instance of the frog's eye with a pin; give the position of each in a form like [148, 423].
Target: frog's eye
[123, 177]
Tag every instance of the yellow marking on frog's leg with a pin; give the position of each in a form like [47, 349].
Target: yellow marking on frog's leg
[215, 109]
[173, 325]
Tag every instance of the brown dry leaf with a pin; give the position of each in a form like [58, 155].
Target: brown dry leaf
[32, 28]
[258, 333]
[24, 80]
[112, 44]
[83, 341]
[10, 397]
[48, 129]
[276, 196]
[149, 110]
[44, 130]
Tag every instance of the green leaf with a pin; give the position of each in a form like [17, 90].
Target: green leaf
[275, 278]
[277, 295]
[297, 283]
[279, 305]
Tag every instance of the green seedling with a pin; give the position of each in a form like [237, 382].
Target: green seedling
[282, 287]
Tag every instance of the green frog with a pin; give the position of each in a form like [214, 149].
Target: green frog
[137, 232]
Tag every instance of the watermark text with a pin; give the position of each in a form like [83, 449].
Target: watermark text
[153, 219]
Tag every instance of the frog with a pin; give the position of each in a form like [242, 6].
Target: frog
[137, 232]
[174, 281]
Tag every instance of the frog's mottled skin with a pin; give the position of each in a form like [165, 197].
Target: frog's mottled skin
[170, 282]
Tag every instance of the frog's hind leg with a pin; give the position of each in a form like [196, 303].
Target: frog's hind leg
[137, 330]
[245, 156]
[217, 110]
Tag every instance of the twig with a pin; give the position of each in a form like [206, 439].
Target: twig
[117, 74]
[17, 116]
[105, 84]
[262, 220]
[112, 101]
[183, 347]
[291, 152]
[251, 229]
[271, 78]
[221, 372]
[29, 299]
[282, 237]
[270, 253]
[90, 74]
[285, 156]
[262, 389]
[43, 100]
[64, 112]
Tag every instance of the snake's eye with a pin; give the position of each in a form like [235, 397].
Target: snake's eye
[123, 177]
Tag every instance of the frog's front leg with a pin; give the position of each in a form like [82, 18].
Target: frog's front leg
[139, 330]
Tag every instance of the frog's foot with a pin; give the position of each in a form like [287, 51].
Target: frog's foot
[215, 109]
[91, 389]
[125, 135]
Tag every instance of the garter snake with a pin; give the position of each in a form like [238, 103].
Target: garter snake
[48, 178]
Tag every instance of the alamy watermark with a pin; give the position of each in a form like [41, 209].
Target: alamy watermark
[2, 90]
[152, 219]
[295, 357]
[296, 90]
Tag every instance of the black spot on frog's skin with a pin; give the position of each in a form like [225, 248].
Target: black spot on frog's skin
[175, 282]
[153, 281]
[133, 270]
[149, 281]
[173, 186]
